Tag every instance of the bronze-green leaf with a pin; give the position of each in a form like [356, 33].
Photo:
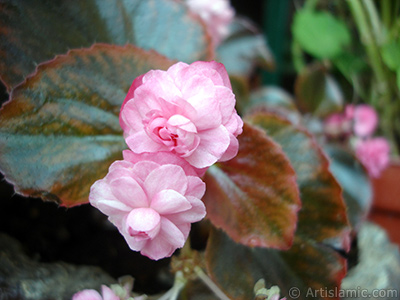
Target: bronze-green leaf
[357, 189]
[317, 92]
[254, 197]
[35, 31]
[60, 130]
[321, 195]
[307, 271]
[244, 49]
[312, 263]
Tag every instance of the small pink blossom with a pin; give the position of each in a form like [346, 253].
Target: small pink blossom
[373, 154]
[216, 14]
[152, 198]
[188, 110]
[337, 125]
[107, 294]
[364, 117]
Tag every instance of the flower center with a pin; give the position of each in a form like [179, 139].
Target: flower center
[143, 223]
[177, 132]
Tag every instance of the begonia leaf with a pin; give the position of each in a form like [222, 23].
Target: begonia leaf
[354, 180]
[307, 271]
[321, 194]
[244, 48]
[254, 197]
[312, 262]
[35, 31]
[317, 92]
[60, 130]
[276, 100]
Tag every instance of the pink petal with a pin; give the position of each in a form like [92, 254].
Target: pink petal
[169, 202]
[176, 68]
[143, 221]
[130, 118]
[220, 68]
[182, 122]
[165, 177]
[196, 187]
[87, 295]
[142, 169]
[135, 84]
[200, 93]
[108, 293]
[161, 158]
[365, 120]
[129, 192]
[103, 199]
[165, 243]
[227, 102]
[232, 150]
[133, 244]
[140, 142]
[195, 214]
[160, 83]
[213, 144]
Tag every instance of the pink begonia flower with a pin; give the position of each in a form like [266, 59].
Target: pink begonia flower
[152, 198]
[337, 125]
[373, 154]
[364, 117]
[216, 14]
[107, 294]
[188, 110]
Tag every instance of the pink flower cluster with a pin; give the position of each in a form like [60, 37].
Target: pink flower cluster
[216, 14]
[115, 292]
[361, 122]
[177, 123]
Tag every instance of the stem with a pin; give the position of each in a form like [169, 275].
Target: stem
[382, 89]
[310, 4]
[297, 57]
[211, 285]
[375, 21]
[179, 284]
[386, 13]
[368, 40]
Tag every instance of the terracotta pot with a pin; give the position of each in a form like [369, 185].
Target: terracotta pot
[386, 202]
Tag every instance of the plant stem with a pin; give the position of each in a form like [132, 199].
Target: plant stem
[375, 21]
[297, 57]
[381, 88]
[179, 284]
[368, 40]
[386, 12]
[211, 285]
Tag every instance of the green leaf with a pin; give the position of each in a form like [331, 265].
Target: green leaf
[60, 131]
[317, 92]
[244, 49]
[35, 31]
[398, 78]
[320, 33]
[311, 263]
[351, 175]
[254, 197]
[391, 54]
[350, 64]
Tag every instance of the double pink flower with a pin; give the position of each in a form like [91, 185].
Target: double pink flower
[361, 121]
[177, 123]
